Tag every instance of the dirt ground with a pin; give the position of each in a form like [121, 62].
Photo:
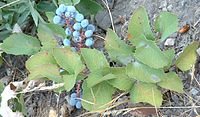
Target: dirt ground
[186, 105]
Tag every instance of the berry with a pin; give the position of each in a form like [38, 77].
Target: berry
[78, 104]
[72, 101]
[62, 22]
[67, 14]
[71, 9]
[84, 23]
[73, 95]
[58, 12]
[77, 26]
[56, 19]
[66, 42]
[79, 17]
[68, 31]
[62, 8]
[76, 33]
[91, 27]
[88, 33]
[77, 39]
[72, 14]
[89, 42]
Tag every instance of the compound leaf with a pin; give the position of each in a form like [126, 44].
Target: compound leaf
[187, 59]
[143, 92]
[166, 23]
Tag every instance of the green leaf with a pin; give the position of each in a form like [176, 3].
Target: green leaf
[97, 97]
[170, 56]
[96, 78]
[94, 59]
[188, 58]
[151, 55]
[144, 73]
[1, 60]
[69, 81]
[34, 13]
[117, 49]
[122, 82]
[39, 59]
[75, 2]
[49, 71]
[21, 44]
[46, 6]
[68, 60]
[23, 17]
[139, 25]
[143, 92]
[48, 35]
[166, 23]
[50, 16]
[88, 7]
[68, 2]
[172, 82]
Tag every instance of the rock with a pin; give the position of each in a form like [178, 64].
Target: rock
[194, 91]
[170, 7]
[163, 4]
[103, 19]
[198, 51]
[169, 42]
[16, 29]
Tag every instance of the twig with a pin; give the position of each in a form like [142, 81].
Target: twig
[9, 4]
[99, 37]
[196, 23]
[110, 14]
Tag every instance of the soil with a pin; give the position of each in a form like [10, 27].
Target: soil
[39, 104]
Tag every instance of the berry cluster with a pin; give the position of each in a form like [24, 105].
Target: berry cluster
[76, 27]
[74, 101]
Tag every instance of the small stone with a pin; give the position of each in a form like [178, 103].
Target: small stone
[16, 29]
[163, 4]
[170, 7]
[194, 91]
[169, 42]
[198, 51]
[164, 9]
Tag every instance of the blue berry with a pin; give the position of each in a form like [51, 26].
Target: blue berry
[56, 19]
[67, 14]
[72, 14]
[89, 42]
[78, 104]
[73, 95]
[62, 22]
[66, 42]
[79, 17]
[77, 39]
[91, 27]
[76, 33]
[77, 26]
[58, 12]
[84, 23]
[68, 31]
[71, 9]
[72, 101]
[62, 8]
[88, 33]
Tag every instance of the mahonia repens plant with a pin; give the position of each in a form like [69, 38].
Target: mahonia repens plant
[143, 64]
